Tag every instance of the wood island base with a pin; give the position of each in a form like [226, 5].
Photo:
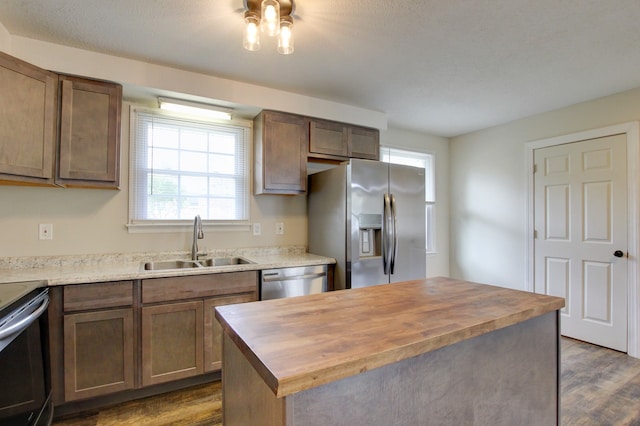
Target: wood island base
[509, 376]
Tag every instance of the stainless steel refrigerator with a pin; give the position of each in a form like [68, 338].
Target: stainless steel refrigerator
[370, 217]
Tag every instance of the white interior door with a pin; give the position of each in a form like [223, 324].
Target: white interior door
[580, 216]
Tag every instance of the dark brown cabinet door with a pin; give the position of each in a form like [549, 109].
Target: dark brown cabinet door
[98, 353]
[281, 145]
[339, 141]
[28, 120]
[364, 143]
[172, 342]
[89, 153]
[327, 137]
[213, 330]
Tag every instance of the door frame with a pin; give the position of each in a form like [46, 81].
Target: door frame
[632, 132]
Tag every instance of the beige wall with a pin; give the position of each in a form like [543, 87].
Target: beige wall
[488, 186]
[437, 263]
[93, 221]
[140, 77]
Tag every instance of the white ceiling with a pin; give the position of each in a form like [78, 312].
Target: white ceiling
[445, 67]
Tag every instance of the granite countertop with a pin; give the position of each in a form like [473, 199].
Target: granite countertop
[302, 342]
[61, 270]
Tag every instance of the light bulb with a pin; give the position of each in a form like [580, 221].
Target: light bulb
[285, 39]
[270, 17]
[251, 36]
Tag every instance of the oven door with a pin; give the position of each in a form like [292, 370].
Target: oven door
[24, 392]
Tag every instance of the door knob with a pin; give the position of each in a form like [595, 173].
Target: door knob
[618, 253]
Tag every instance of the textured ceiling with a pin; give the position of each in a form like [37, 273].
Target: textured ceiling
[446, 67]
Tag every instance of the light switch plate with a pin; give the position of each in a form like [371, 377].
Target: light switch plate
[257, 229]
[279, 228]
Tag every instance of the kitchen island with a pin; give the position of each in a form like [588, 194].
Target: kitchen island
[435, 351]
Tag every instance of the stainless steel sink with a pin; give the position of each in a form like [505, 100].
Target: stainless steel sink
[211, 262]
[170, 264]
[224, 261]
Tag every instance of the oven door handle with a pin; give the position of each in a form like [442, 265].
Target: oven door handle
[25, 322]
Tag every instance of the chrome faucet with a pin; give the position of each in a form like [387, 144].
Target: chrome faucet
[198, 234]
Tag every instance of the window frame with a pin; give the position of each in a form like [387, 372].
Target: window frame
[179, 225]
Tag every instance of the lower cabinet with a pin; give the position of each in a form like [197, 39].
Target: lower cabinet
[172, 339]
[183, 339]
[98, 339]
[98, 353]
[213, 331]
[126, 335]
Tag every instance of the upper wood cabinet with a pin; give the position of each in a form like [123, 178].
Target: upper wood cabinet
[284, 142]
[89, 152]
[28, 122]
[57, 129]
[333, 140]
[280, 153]
[327, 137]
[363, 143]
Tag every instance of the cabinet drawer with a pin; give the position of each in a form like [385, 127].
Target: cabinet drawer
[97, 296]
[198, 286]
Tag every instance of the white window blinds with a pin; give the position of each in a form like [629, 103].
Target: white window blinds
[183, 167]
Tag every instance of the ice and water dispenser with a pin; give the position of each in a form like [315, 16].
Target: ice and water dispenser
[370, 229]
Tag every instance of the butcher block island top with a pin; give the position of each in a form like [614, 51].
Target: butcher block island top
[299, 343]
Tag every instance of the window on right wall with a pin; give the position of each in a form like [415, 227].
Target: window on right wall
[426, 161]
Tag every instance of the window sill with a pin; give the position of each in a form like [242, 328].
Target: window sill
[184, 226]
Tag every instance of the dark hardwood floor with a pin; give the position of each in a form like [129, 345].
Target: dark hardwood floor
[598, 387]
[197, 406]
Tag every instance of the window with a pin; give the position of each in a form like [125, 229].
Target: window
[426, 161]
[181, 167]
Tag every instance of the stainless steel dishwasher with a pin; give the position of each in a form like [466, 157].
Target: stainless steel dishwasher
[291, 282]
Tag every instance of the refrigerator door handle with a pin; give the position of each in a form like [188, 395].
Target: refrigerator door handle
[394, 232]
[387, 224]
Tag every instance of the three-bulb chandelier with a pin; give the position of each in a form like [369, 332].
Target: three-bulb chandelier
[272, 17]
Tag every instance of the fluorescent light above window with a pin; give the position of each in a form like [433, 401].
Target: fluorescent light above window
[195, 108]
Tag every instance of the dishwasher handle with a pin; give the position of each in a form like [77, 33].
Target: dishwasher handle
[275, 276]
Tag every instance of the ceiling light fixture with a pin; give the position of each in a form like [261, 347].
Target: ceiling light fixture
[196, 108]
[272, 17]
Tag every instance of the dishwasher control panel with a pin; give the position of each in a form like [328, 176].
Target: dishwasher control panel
[291, 282]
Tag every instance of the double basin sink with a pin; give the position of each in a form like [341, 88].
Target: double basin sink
[211, 262]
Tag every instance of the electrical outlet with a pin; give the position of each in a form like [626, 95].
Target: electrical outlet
[279, 228]
[45, 231]
[257, 229]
